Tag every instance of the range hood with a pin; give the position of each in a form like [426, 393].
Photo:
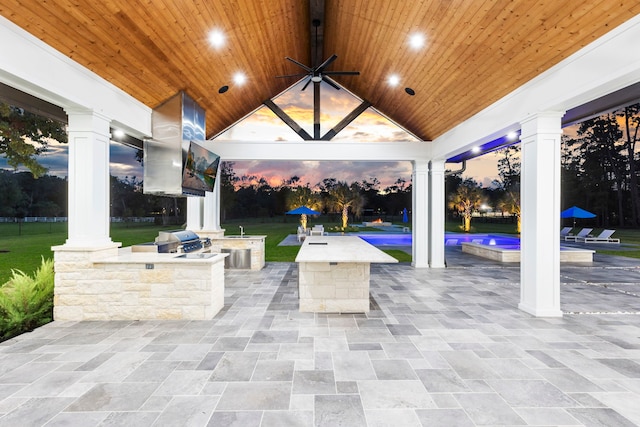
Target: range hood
[176, 162]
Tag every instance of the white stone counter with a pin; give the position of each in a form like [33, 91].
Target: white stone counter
[340, 249]
[334, 273]
[251, 242]
[116, 284]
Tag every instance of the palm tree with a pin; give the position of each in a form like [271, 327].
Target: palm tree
[342, 198]
[465, 200]
[303, 196]
[510, 202]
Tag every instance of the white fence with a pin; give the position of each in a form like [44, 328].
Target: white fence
[64, 219]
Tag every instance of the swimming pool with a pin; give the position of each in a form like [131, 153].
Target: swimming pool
[386, 239]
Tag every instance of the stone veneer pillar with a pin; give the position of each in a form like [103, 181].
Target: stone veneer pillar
[540, 207]
[436, 214]
[420, 250]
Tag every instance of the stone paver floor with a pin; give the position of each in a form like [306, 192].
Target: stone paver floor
[443, 347]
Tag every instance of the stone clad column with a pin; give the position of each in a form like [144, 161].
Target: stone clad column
[436, 214]
[420, 215]
[540, 205]
[88, 179]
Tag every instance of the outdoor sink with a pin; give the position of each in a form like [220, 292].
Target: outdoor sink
[196, 256]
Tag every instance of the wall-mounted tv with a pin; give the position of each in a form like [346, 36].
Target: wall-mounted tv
[200, 170]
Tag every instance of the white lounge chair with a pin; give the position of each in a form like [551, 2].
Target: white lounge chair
[302, 233]
[582, 234]
[317, 230]
[604, 237]
[565, 231]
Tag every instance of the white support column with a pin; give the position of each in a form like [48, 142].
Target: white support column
[436, 214]
[420, 215]
[194, 213]
[88, 178]
[212, 208]
[540, 204]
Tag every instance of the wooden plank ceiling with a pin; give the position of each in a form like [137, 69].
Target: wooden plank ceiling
[476, 51]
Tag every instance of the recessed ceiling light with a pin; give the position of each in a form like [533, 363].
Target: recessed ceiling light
[416, 41]
[475, 149]
[410, 91]
[216, 38]
[223, 89]
[394, 80]
[118, 133]
[512, 136]
[239, 78]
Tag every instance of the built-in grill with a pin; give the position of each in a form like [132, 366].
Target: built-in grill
[174, 241]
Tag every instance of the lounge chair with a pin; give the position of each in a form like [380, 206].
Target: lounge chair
[582, 234]
[604, 237]
[317, 230]
[302, 233]
[565, 231]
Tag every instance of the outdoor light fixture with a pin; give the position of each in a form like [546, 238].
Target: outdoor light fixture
[416, 41]
[394, 80]
[216, 39]
[475, 149]
[512, 136]
[118, 133]
[239, 78]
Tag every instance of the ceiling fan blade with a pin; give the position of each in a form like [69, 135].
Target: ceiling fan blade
[326, 63]
[330, 83]
[342, 73]
[299, 63]
[306, 84]
[294, 75]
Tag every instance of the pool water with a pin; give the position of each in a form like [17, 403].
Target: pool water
[383, 239]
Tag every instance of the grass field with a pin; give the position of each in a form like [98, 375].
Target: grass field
[21, 247]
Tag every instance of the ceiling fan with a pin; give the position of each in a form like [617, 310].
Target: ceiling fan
[317, 74]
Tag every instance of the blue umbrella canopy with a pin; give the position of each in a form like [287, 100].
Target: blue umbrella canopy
[303, 210]
[576, 212]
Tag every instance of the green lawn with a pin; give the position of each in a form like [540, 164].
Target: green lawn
[21, 247]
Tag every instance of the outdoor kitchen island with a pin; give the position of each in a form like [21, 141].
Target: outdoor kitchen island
[119, 284]
[334, 272]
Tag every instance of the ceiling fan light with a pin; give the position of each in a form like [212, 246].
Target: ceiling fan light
[316, 79]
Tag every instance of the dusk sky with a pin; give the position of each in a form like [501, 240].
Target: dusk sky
[263, 125]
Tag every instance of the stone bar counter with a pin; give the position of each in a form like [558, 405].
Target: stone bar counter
[334, 273]
[255, 244]
[117, 284]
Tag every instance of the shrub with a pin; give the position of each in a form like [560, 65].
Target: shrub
[26, 302]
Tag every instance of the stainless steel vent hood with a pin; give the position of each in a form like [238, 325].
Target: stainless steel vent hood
[176, 163]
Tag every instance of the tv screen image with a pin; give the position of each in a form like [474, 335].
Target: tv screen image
[200, 170]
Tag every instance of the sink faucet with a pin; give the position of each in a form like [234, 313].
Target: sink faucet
[241, 231]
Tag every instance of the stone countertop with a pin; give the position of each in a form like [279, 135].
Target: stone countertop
[126, 256]
[238, 238]
[340, 249]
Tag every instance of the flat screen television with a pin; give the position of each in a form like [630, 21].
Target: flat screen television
[200, 170]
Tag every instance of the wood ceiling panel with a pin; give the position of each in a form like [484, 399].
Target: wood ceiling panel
[476, 52]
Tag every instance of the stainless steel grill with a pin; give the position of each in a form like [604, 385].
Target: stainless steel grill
[174, 241]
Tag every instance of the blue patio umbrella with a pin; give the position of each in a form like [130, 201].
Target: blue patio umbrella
[303, 210]
[405, 217]
[576, 212]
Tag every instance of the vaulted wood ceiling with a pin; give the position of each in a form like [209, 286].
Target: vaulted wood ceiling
[476, 51]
